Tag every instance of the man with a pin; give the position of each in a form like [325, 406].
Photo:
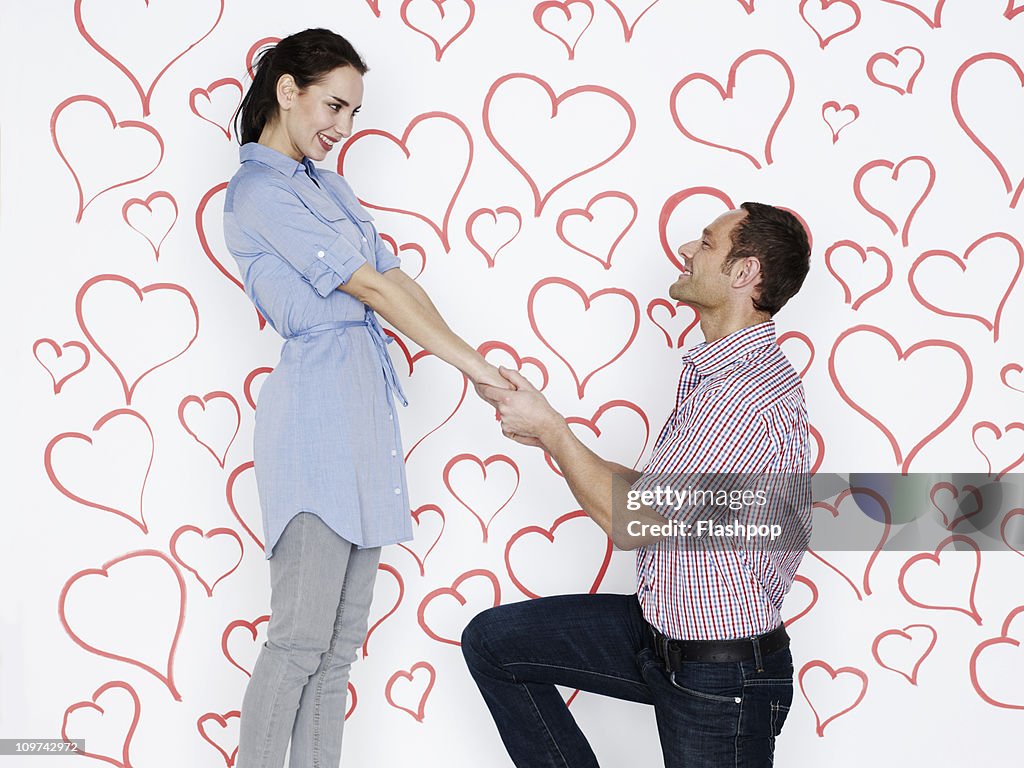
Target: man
[702, 640]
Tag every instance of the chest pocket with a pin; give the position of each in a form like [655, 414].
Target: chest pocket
[322, 205]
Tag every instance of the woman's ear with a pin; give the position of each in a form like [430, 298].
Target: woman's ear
[286, 91]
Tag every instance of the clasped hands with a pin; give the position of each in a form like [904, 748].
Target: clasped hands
[526, 416]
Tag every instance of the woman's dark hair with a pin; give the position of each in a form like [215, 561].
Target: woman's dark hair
[778, 240]
[307, 56]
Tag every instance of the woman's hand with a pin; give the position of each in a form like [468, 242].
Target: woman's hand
[488, 376]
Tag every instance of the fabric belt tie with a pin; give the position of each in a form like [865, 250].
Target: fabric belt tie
[380, 342]
[674, 652]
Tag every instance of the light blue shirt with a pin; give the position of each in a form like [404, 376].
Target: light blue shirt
[326, 439]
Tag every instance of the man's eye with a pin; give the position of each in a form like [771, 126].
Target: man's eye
[705, 244]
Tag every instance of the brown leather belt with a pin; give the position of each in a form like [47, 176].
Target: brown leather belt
[674, 652]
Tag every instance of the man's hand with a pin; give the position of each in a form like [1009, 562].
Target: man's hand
[526, 415]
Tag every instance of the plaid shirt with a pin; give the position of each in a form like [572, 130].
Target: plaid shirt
[739, 409]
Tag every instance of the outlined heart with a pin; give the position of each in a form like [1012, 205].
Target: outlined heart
[905, 635]
[1004, 639]
[884, 513]
[514, 357]
[439, 30]
[201, 100]
[453, 592]
[110, 460]
[935, 559]
[253, 383]
[393, 573]
[587, 301]
[933, 19]
[137, 208]
[125, 126]
[166, 676]
[409, 676]
[490, 248]
[416, 548]
[824, 18]
[865, 292]
[992, 323]
[1014, 459]
[565, 29]
[885, 218]
[795, 338]
[1018, 71]
[211, 420]
[232, 481]
[604, 558]
[591, 426]
[400, 250]
[901, 84]
[831, 110]
[682, 314]
[556, 102]
[463, 458]
[71, 732]
[158, 31]
[252, 629]
[629, 27]
[588, 216]
[727, 94]
[819, 724]
[140, 330]
[257, 50]
[204, 538]
[812, 589]
[217, 741]
[951, 518]
[442, 192]
[901, 357]
[712, 199]
[53, 352]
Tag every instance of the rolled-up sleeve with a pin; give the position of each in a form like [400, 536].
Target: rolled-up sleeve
[276, 218]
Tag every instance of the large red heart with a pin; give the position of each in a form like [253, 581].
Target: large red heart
[935, 559]
[553, 559]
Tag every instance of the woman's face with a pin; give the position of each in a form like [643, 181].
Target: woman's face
[315, 119]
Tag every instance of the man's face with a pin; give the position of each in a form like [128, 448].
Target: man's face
[703, 284]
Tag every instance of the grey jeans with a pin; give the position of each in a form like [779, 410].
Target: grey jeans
[321, 588]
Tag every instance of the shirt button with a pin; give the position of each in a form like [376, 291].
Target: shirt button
[398, 491]
[394, 453]
[319, 254]
[364, 239]
[391, 417]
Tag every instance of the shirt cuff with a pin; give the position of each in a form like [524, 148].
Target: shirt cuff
[333, 266]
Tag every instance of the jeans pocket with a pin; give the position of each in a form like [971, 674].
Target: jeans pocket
[687, 686]
[779, 713]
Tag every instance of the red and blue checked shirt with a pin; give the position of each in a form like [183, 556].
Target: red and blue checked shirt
[739, 409]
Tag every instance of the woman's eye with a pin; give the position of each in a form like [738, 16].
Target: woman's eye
[335, 107]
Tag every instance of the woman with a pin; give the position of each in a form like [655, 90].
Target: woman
[328, 455]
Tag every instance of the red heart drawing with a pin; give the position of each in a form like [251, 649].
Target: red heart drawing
[483, 465]
[1004, 639]
[952, 517]
[399, 250]
[727, 94]
[748, 5]
[859, 194]
[428, 409]
[673, 310]
[65, 732]
[374, 6]
[167, 676]
[933, 19]
[587, 301]
[857, 511]
[517, 362]
[1011, 516]
[413, 550]
[812, 590]
[441, 33]
[202, 403]
[251, 383]
[230, 490]
[137, 203]
[140, 521]
[676, 200]
[830, 110]
[1007, 370]
[230, 533]
[819, 725]
[804, 341]
[591, 425]
[935, 559]
[817, 448]
[145, 94]
[549, 534]
[903, 633]
[352, 701]
[870, 291]
[999, 435]
[629, 27]
[418, 713]
[222, 721]
[825, 11]
[393, 572]
[223, 85]
[403, 145]
[1012, 9]
[453, 592]
[971, 134]
[556, 101]
[252, 627]
[904, 85]
[902, 356]
[138, 343]
[928, 256]
[564, 32]
[54, 352]
[493, 213]
[586, 214]
[254, 51]
[124, 125]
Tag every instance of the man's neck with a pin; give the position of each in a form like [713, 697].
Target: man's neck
[715, 326]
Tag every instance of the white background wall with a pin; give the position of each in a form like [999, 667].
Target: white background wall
[108, 631]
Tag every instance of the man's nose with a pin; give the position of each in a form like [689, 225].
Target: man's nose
[687, 249]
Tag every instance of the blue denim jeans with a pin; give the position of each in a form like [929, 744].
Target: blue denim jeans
[709, 714]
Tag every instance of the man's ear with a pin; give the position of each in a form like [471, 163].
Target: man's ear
[746, 273]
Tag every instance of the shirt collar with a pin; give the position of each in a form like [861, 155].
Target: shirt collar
[737, 345]
[260, 153]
